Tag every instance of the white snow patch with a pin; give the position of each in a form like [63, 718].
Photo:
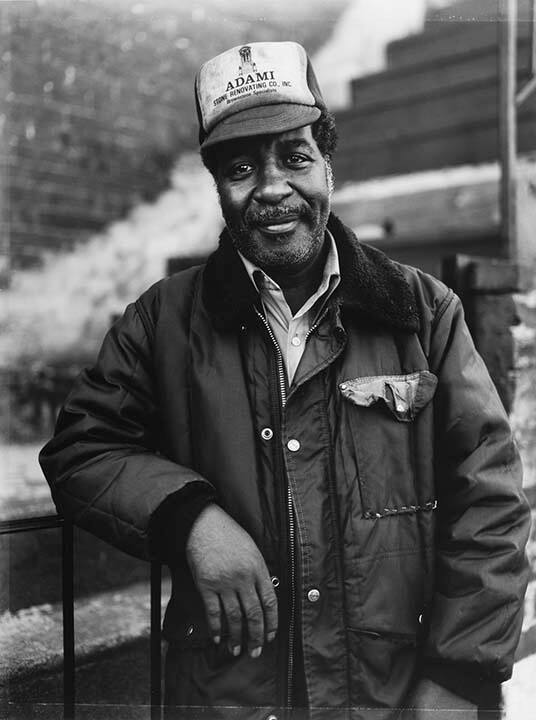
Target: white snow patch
[418, 182]
[519, 691]
[68, 304]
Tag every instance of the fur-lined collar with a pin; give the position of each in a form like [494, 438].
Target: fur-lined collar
[372, 285]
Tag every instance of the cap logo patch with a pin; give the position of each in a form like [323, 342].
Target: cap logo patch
[248, 74]
[247, 65]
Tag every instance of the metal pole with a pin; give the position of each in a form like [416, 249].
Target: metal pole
[156, 613]
[5, 179]
[507, 35]
[68, 620]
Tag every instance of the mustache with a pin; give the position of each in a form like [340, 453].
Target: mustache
[267, 215]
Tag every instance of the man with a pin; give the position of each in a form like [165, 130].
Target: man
[303, 430]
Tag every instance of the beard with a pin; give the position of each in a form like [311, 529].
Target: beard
[280, 250]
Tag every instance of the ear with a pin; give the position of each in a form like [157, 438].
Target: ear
[329, 175]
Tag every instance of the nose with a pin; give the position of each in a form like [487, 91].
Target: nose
[272, 184]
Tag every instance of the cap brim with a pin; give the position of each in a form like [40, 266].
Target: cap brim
[264, 120]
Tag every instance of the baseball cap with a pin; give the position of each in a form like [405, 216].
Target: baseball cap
[255, 89]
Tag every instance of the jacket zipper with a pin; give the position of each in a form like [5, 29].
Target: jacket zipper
[290, 519]
[314, 326]
[290, 508]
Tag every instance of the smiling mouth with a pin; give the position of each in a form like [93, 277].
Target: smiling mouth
[279, 226]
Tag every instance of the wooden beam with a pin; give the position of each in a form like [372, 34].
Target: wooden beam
[506, 26]
[362, 155]
[422, 217]
[429, 208]
[530, 86]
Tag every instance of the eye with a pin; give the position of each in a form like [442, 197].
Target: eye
[297, 159]
[238, 170]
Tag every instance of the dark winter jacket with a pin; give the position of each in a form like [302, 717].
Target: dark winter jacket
[407, 510]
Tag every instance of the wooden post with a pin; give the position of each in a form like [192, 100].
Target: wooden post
[507, 36]
[533, 39]
[485, 286]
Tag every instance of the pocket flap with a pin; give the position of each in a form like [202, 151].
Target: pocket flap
[404, 395]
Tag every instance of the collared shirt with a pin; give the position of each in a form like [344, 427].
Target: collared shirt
[291, 330]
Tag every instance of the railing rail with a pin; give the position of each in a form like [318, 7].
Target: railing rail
[47, 522]
[44, 522]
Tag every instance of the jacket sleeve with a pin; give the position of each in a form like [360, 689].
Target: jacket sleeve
[483, 520]
[103, 464]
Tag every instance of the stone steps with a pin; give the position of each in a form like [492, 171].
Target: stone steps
[112, 631]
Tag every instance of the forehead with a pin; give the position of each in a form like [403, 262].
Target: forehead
[258, 144]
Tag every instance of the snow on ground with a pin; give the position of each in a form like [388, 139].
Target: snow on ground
[423, 181]
[519, 692]
[23, 489]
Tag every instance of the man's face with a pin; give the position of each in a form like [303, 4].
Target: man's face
[275, 197]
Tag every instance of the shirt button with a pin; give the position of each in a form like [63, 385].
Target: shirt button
[293, 445]
[275, 581]
[267, 433]
[313, 595]
[296, 341]
[190, 630]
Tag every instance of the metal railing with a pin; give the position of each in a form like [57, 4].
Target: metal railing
[47, 522]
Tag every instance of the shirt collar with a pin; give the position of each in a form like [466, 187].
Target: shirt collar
[332, 273]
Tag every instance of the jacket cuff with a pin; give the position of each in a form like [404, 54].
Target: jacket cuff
[173, 519]
[465, 682]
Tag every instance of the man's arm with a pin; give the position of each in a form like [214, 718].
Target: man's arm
[103, 464]
[483, 522]
[107, 475]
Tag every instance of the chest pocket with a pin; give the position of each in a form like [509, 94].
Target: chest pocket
[381, 413]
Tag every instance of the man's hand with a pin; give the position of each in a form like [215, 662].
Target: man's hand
[431, 701]
[232, 577]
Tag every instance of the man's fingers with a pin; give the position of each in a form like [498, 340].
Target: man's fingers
[254, 618]
[213, 613]
[233, 615]
[268, 600]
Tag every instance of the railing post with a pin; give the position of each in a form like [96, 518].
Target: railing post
[68, 620]
[156, 620]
